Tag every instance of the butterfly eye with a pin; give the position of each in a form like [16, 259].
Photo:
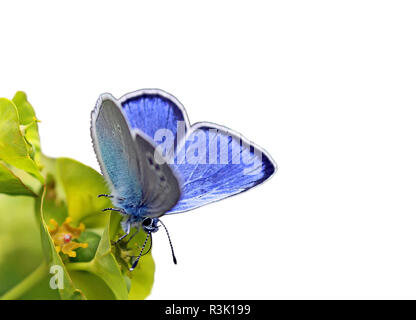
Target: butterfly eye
[147, 222]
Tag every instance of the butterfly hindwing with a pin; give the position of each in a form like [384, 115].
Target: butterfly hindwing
[217, 163]
[161, 189]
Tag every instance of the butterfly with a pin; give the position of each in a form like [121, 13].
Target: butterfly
[156, 163]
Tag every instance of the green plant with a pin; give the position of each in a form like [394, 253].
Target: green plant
[50, 217]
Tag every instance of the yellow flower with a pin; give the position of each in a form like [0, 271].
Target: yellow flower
[63, 235]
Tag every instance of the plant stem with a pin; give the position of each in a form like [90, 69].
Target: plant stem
[27, 283]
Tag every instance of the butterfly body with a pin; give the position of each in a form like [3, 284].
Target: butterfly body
[155, 162]
[132, 208]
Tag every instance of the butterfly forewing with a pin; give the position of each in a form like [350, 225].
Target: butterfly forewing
[116, 150]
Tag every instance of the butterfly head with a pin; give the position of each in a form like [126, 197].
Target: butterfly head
[150, 224]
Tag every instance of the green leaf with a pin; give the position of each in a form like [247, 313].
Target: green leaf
[20, 250]
[28, 119]
[82, 185]
[92, 286]
[69, 292]
[12, 184]
[13, 147]
[87, 254]
[54, 202]
[105, 267]
[72, 190]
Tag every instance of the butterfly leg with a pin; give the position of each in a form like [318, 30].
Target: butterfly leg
[150, 247]
[114, 209]
[121, 238]
[125, 235]
[110, 196]
[127, 232]
[132, 236]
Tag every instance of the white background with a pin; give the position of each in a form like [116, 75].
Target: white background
[327, 87]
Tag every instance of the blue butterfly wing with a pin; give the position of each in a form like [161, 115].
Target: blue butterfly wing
[203, 181]
[214, 163]
[116, 149]
[155, 112]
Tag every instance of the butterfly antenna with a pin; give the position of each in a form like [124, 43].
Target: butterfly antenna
[170, 242]
[150, 247]
[140, 254]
